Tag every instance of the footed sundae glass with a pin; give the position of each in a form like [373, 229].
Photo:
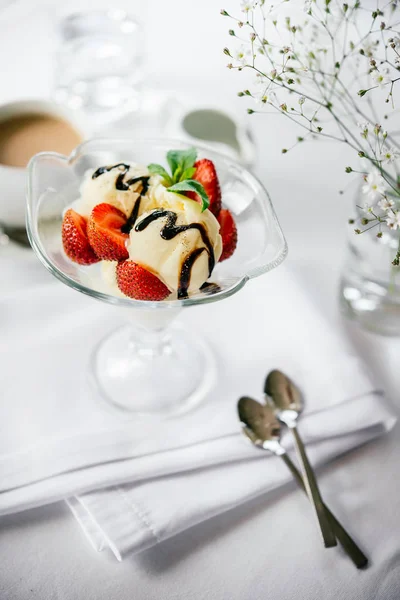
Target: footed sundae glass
[148, 367]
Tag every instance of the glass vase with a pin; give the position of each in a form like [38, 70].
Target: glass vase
[370, 283]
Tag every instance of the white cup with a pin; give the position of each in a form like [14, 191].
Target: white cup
[13, 179]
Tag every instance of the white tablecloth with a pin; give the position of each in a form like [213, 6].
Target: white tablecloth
[269, 548]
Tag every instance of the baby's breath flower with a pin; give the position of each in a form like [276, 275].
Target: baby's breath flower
[393, 221]
[367, 208]
[369, 48]
[259, 93]
[308, 6]
[386, 203]
[259, 81]
[247, 6]
[260, 98]
[364, 129]
[389, 155]
[364, 126]
[381, 78]
[374, 184]
[308, 64]
[241, 54]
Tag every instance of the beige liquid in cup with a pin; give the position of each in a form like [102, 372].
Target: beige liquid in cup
[24, 135]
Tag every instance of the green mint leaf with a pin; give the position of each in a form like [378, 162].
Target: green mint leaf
[189, 158]
[181, 158]
[190, 185]
[178, 174]
[155, 169]
[173, 160]
[188, 173]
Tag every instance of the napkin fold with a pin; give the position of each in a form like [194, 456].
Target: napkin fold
[222, 475]
[133, 483]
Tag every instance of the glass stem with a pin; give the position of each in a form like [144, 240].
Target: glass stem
[149, 344]
[149, 336]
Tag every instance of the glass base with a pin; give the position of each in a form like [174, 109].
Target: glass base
[151, 373]
[374, 306]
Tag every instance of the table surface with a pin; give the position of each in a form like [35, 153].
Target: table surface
[267, 548]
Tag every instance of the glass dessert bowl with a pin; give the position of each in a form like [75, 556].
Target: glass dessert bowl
[157, 224]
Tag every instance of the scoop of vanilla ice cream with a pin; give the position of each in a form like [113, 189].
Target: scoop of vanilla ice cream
[163, 257]
[159, 197]
[102, 189]
[166, 257]
[109, 273]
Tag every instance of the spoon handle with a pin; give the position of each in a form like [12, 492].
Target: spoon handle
[349, 545]
[313, 492]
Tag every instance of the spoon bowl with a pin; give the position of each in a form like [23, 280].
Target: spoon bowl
[260, 424]
[287, 398]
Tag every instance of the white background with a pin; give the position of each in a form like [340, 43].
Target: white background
[269, 548]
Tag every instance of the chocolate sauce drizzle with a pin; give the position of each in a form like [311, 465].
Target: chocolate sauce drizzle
[171, 230]
[126, 227]
[168, 232]
[119, 183]
[186, 271]
[123, 186]
[136, 207]
[210, 288]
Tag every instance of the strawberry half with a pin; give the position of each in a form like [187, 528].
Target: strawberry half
[207, 175]
[137, 282]
[75, 239]
[228, 232]
[104, 232]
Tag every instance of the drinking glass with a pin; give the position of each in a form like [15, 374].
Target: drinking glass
[99, 61]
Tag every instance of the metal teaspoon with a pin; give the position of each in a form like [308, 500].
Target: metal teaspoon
[287, 406]
[263, 430]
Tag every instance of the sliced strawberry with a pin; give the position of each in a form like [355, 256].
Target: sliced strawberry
[104, 231]
[137, 282]
[228, 233]
[75, 239]
[207, 175]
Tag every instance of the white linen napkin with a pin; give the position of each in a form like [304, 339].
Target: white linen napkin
[57, 441]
